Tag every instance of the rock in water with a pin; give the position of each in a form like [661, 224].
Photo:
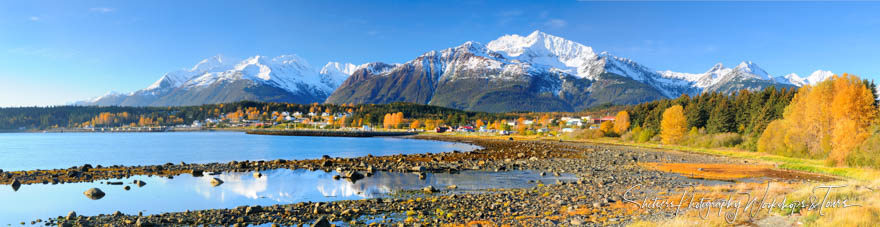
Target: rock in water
[71, 215]
[94, 193]
[139, 183]
[321, 222]
[257, 174]
[141, 222]
[252, 209]
[197, 173]
[15, 184]
[216, 182]
[429, 189]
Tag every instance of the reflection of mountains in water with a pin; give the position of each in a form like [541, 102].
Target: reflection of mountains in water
[386, 182]
[284, 185]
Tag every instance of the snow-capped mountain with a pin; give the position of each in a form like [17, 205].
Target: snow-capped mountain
[814, 78]
[540, 72]
[536, 72]
[286, 78]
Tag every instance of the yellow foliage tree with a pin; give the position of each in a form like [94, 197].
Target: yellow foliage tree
[621, 122]
[415, 124]
[828, 120]
[607, 127]
[673, 125]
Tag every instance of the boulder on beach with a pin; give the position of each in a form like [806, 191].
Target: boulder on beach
[216, 182]
[258, 174]
[321, 222]
[94, 193]
[15, 184]
[197, 173]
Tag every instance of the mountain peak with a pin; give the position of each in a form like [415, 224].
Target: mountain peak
[719, 66]
[208, 63]
[818, 76]
[750, 67]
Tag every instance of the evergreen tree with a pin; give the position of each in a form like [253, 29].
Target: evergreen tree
[722, 119]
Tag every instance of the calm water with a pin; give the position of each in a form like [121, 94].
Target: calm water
[281, 186]
[28, 151]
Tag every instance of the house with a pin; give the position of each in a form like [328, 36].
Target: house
[570, 121]
[528, 122]
[586, 119]
[603, 119]
[366, 128]
[567, 130]
[543, 130]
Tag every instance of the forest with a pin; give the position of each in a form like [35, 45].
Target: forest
[40, 118]
[835, 120]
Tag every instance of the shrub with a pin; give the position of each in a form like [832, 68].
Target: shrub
[645, 135]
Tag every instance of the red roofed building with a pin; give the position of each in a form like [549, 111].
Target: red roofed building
[603, 119]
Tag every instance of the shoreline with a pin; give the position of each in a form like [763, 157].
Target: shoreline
[593, 164]
[329, 133]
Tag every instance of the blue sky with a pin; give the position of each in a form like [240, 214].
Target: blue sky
[55, 52]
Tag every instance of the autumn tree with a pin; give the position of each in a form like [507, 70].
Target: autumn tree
[673, 125]
[607, 128]
[415, 124]
[521, 125]
[621, 123]
[828, 120]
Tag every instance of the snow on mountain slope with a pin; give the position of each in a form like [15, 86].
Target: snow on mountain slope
[791, 78]
[554, 53]
[288, 72]
[751, 70]
[701, 80]
[207, 80]
[814, 78]
[334, 73]
[177, 78]
[544, 49]
[818, 76]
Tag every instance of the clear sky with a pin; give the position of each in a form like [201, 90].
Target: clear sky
[56, 52]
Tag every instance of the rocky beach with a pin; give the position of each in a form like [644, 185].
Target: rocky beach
[604, 173]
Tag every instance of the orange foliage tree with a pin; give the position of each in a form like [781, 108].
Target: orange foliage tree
[673, 125]
[621, 122]
[828, 120]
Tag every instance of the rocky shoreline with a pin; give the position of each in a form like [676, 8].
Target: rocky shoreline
[330, 133]
[603, 172]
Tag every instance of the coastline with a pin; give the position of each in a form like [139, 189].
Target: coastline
[591, 163]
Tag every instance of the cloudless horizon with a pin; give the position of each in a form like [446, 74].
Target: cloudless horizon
[58, 52]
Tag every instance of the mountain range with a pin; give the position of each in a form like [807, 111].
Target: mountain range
[537, 72]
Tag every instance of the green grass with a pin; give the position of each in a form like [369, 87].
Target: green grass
[799, 164]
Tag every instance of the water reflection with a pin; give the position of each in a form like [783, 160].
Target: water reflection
[186, 192]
